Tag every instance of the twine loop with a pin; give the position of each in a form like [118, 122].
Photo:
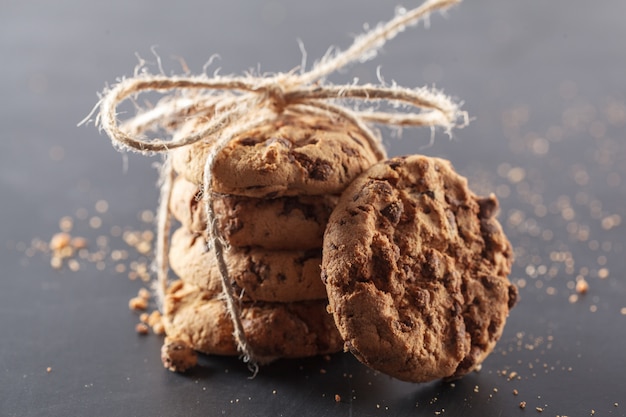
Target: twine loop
[231, 105]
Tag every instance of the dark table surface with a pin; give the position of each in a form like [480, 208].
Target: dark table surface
[545, 84]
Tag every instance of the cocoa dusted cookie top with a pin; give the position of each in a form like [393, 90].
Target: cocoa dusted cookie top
[290, 155]
[416, 266]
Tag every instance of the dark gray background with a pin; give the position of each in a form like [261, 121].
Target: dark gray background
[544, 81]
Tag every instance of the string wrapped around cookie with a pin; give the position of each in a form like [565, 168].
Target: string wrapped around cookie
[230, 105]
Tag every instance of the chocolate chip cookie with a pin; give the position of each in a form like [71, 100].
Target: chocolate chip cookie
[292, 154]
[295, 222]
[257, 274]
[416, 268]
[197, 318]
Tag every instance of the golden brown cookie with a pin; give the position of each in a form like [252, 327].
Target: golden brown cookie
[274, 330]
[416, 269]
[295, 222]
[257, 274]
[293, 154]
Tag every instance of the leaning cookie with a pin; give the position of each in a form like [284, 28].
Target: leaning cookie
[294, 223]
[199, 319]
[416, 269]
[257, 274]
[293, 154]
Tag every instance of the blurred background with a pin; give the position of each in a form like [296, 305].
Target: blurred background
[544, 84]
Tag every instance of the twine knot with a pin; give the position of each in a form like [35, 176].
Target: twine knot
[275, 96]
[242, 103]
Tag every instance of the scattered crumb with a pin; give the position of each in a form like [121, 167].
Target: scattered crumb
[522, 404]
[102, 206]
[78, 242]
[582, 286]
[137, 303]
[49, 369]
[515, 392]
[144, 293]
[142, 329]
[154, 318]
[337, 398]
[539, 409]
[59, 241]
[66, 223]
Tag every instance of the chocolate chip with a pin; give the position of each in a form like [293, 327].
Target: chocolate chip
[488, 207]
[324, 276]
[318, 169]
[393, 212]
[249, 141]
[513, 296]
[349, 151]
[396, 162]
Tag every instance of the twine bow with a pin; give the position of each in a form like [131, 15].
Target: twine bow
[246, 102]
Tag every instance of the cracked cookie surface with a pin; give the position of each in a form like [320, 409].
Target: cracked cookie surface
[293, 154]
[416, 267]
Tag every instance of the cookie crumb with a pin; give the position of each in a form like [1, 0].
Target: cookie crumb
[59, 241]
[522, 404]
[337, 398]
[138, 303]
[141, 328]
[582, 286]
[78, 243]
[539, 409]
[178, 356]
[49, 369]
[154, 318]
[144, 293]
[515, 392]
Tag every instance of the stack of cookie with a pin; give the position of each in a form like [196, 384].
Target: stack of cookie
[274, 189]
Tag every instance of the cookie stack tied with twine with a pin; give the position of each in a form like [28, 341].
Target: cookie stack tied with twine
[273, 190]
[251, 170]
